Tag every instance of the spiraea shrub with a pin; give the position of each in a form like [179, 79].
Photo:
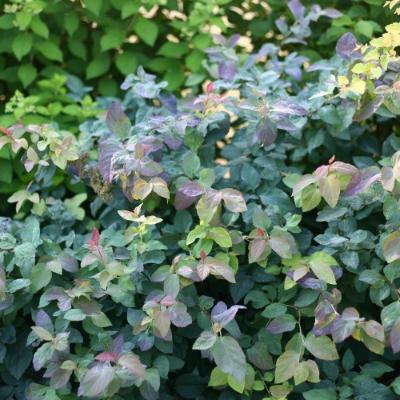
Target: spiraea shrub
[242, 244]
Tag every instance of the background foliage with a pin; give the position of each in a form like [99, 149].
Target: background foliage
[237, 244]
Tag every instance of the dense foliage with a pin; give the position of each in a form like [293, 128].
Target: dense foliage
[242, 244]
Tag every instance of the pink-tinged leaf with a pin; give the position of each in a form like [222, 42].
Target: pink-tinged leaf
[391, 247]
[94, 238]
[5, 131]
[210, 87]
[168, 301]
[266, 131]
[105, 357]
[332, 159]
[256, 249]
[117, 345]
[375, 330]
[321, 171]
[107, 150]
[343, 168]
[281, 246]
[395, 338]
[222, 269]
[362, 180]
[60, 378]
[303, 182]
[202, 255]
[162, 321]
[203, 270]
[330, 189]
[285, 106]
[234, 200]
[96, 380]
[133, 364]
[118, 123]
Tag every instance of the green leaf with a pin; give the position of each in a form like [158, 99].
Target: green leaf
[71, 23]
[330, 189]
[301, 373]
[391, 247]
[21, 45]
[323, 257]
[100, 319]
[220, 236]
[218, 377]
[320, 394]
[112, 39]
[39, 27]
[236, 385]
[171, 49]
[190, 165]
[27, 74]
[23, 18]
[98, 66]
[50, 50]
[274, 310]
[127, 62]
[146, 29]
[348, 360]
[311, 197]
[42, 333]
[323, 271]
[321, 347]
[286, 365]
[229, 357]
[205, 341]
[129, 8]
[40, 277]
[94, 6]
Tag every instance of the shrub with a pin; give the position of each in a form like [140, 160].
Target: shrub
[242, 245]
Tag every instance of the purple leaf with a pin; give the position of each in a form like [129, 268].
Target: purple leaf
[186, 194]
[286, 106]
[331, 13]
[337, 272]
[172, 140]
[60, 378]
[259, 356]
[295, 72]
[219, 308]
[219, 39]
[395, 338]
[227, 316]
[169, 101]
[149, 168]
[118, 123]
[107, 150]
[105, 357]
[369, 104]
[133, 364]
[362, 180]
[179, 316]
[43, 321]
[342, 329]
[311, 283]
[296, 8]
[234, 200]
[346, 44]
[227, 70]
[233, 40]
[283, 323]
[7, 302]
[266, 131]
[68, 262]
[117, 345]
